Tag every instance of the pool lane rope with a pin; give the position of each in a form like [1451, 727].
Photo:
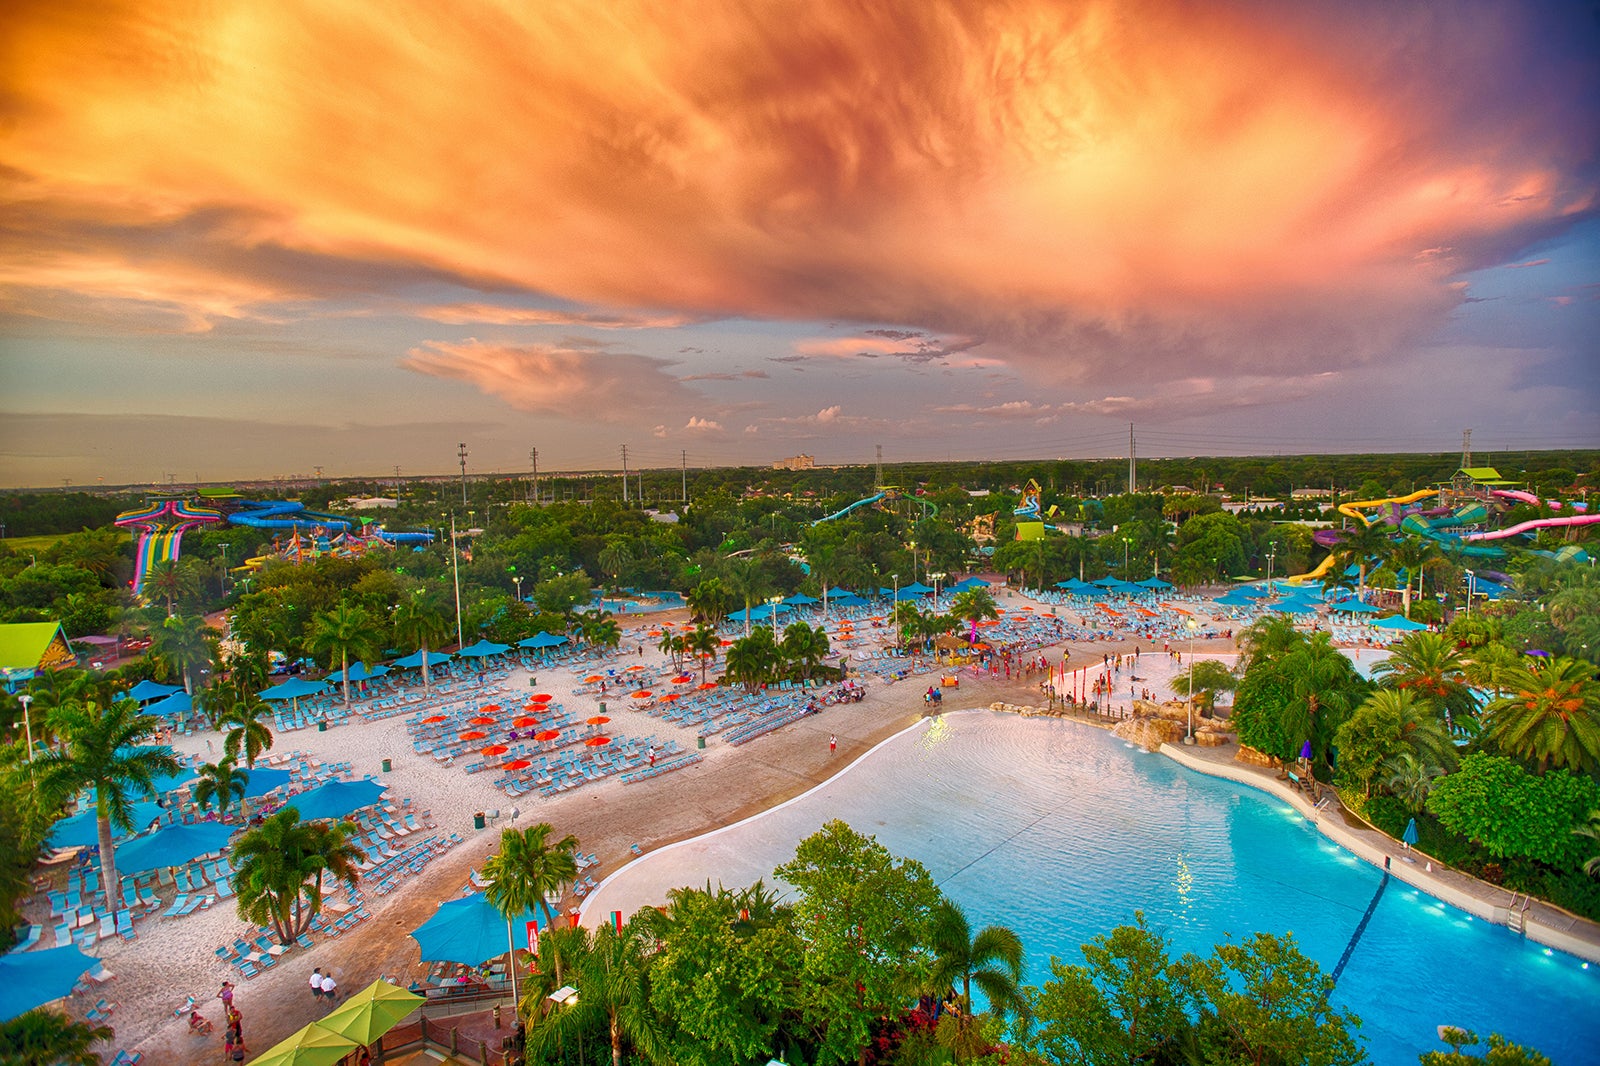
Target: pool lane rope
[1361, 927]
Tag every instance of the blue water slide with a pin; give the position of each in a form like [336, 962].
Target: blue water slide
[852, 507]
[284, 514]
[405, 538]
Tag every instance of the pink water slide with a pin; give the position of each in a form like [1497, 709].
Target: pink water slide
[1539, 523]
[1528, 497]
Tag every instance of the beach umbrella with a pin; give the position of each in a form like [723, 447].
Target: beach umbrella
[362, 672]
[172, 845]
[495, 749]
[682, 679]
[517, 764]
[849, 599]
[469, 930]
[31, 978]
[474, 734]
[293, 689]
[1354, 607]
[547, 734]
[336, 799]
[800, 599]
[82, 830]
[178, 704]
[489, 708]
[264, 779]
[1250, 592]
[435, 718]
[1400, 623]
[705, 686]
[598, 719]
[1293, 607]
[542, 640]
[414, 660]
[145, 691]
[540, 697]
[1305, 750]
[480, 720]
[525, 720]
[1153, 583]
[635, 668]
[482, 649]
[592, 678]
[371, 1012]
[669, 697]
[642, 694]
[311, 1046]
[1409, 837]
[597, 742]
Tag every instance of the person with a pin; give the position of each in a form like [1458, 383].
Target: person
[198, 1023]
[330, 987]
[226, 995]
[833, 742]
[652, 759]
[239, 1051]
[316, 983]
[236, 1022]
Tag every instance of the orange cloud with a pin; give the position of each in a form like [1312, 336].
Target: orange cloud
[1071, 185]
[589, 385]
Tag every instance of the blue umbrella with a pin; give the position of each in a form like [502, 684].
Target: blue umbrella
[82, 829]
[172, 846]
[161, 784]
[362, 672]
[145, 691]
[336, 799]
[1399, 622]
[1074, 585]
[31, 978]
[468, 930]
[414, 660]
[1153, 583]
[1107, 582]
[1293, 607]
[1354, 607]
[1252, 592]
[482, 649]
[970, 583]
[262, 780]
[1305, 750]
[293, 689]
[178, 704]
[848, 599]
[542, 640]
[1409, 837]
[800, 599]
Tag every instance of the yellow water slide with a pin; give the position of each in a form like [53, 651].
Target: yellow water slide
[1353, 510]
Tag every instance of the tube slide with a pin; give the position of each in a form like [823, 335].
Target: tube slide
[852, 507]
[285, 514]
[1353, 510]
[1528, 497]
[159, 541]
[404, 538]
[1538, 523]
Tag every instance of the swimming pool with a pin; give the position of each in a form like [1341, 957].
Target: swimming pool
[1061, 831]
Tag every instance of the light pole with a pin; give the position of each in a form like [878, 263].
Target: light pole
[563, 997]
[1193, 626]
[27, 726]
[774, 601]
[1126, 541]
[517, 580]
[1471, 580]
[455, 569]
[913, 562]
[938, 576]
[1270, 556]
[224, 578]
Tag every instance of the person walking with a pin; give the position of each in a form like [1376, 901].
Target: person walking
[226, 995]
[330, 987]
[316, 983]
[833, 743]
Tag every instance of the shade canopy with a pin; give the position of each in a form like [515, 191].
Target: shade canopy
[1074, 585]
[371, 1012]
[483, 648]
[848, 599]
[763, 612]
[1250, 592]
[1354, 607]
[970, 583]
[542, 640]
[161, 784]
[469, 930]
[148, 690]
[916, 588]
[172, 845]
[1153, 583]
[264, 779]
[414, 660]
[1400, 623]
[311, 1046]
[177, 704]
[82, 829]
[335, 799]
[293, 689]
[800, 599]
[362, 672]
[31, 978]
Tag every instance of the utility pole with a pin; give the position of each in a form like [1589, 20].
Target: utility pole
[318, 470]
[683, 457]
[1466, 449]
[1133, 480]
[879, 482]
[624, 473]
[461, 454]
[533, 457]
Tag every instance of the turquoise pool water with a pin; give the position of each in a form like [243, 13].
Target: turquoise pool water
[1061, 831]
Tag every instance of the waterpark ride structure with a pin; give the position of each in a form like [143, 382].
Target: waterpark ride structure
[884, 497]
[162, 525]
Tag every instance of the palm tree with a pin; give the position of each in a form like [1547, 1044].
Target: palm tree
[1416, 556]
[1360, 545]
[746, 582]
[170, 581]
[101, 750]
[1551, 715]
[805, 646]
[249, 734]
[615, 558]
[1267, 639]
[529, 868]
[752, 660]
[992, 960]
[1491, 666]
[1429, 665]
[609, 971]
[419, 624]
[672, 645]
[600, 628]
[281, 866]
[974, 605]
[1590, 829]
[1410, 779]
[1421, 730]
[43, 1036]
[708, 601]
[182, 645]
[1210, 677]
[343, 633]
[823, 560]
[223, 782]
[704, 643]
[1322, 689]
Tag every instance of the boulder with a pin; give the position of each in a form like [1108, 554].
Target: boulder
[1251, 756]
[1149, 732]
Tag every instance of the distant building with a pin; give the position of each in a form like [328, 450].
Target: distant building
[1310, 494]
[796, 462]
[370, 503]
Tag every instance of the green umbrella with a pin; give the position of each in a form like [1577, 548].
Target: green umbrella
[311, 1046]
[371, 1012]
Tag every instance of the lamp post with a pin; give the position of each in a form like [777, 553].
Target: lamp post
[1126, 541]
[896, 601]
[1471, 580]
[1270, 556]
[563, 997]
[913, 562]
[937, 577]
[1193, 626]
[516, 580]
[774, 601]
[27, 726]
[455, 570]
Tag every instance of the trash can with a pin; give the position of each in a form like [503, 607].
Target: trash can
[387, 766]
[700, 742]
[602, 706]
[322, 727]
[477, 820]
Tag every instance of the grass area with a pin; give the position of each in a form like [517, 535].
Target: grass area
[32, 544]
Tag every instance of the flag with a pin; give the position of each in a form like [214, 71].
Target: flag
[533, 937]
[616, 920]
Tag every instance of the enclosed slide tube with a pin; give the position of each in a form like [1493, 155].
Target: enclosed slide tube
[846, 510]
[163, 524]
[285, 514]
[404, 538]
[1528, 497]
[1536, 524]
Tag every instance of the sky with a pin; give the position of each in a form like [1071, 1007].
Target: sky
[245, 240]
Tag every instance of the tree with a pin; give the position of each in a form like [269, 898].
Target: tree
[44, 1037]
[1551, 715]
[1416, 556]
[608, 969]
[182, 644]
[804, 646]
[1126, 1005]
[1264, 1002]
[101, 750]
[1500, 1052]
[420, 625]
[861, 914]
[221, 781]
[753, 660]
[672, 646]
[1360, 546]
[745, 581]
[247, 733]
[973, 605]
[171, 582]
[1302, 693]
[281, 866]
[992, 960]
[1430, 665]
[1498, 804]
[703, 642]
[1210, 677]
[342, 634]
[708, 601]
[1387, 724]
[528, 869]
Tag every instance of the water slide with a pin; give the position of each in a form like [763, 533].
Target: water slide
[163, 525]
[1354, 509]
[859, 503]
[404, 538]
[1528, 497]
[1538, 523]
[285, 514]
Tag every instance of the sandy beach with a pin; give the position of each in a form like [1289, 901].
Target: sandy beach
[174, 958]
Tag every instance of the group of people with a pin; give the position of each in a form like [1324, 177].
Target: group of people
[323, 986]
[233, 1045]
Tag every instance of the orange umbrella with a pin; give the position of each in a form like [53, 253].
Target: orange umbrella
[706, 685]
[437, 718]
[474, 735]
[726, 643]
[1024, 608]
[642, 694]
[517, 764]
[598, 719]
[669, 697]
[540, 697]
[655, 632]
[634, 667]
[525, 720]
[547, 734]
[495, 749]
[682, 679]
[492, 708]
[482, 719]
[592, 678]
[596, 742]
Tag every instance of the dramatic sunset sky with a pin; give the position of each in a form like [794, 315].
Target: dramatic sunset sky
[244, 239]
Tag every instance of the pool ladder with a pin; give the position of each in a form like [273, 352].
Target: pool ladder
[1517, 918]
